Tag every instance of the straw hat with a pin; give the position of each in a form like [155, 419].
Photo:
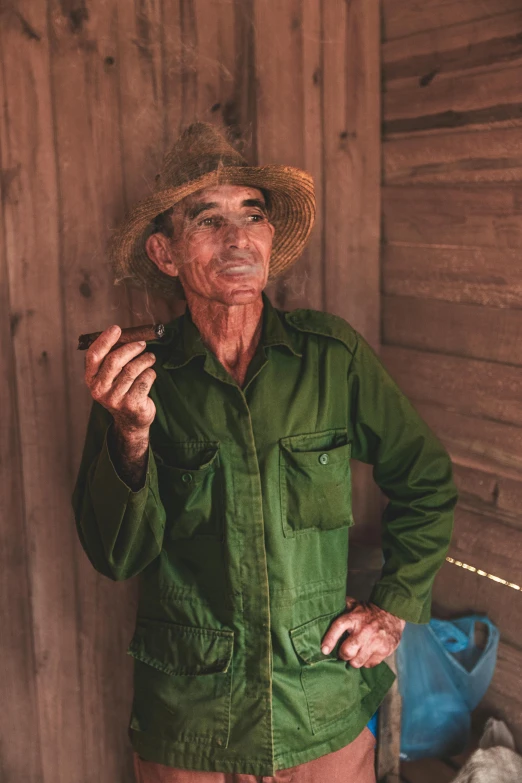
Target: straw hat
[201, 158]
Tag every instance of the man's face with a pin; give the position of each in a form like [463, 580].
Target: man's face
[221, 244]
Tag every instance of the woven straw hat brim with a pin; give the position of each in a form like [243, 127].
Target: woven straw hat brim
[292, 212]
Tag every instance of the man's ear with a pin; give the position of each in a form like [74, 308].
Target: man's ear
[159, 250]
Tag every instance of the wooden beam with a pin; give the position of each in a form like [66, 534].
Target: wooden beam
[466, 330]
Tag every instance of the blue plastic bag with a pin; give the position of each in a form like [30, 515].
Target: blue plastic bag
[442, 675]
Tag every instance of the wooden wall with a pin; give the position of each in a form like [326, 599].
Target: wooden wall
[92, 92]
[452, 282]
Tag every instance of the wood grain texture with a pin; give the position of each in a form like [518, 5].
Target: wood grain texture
[389, 731]
[404, 18]
[491, 442]
[466, 330]
[474, 388]
[20, 760]
[28, 151]
[84, 77]
[351, 189]
[464, 101]
[352, 154]
[468, 276]
[464, 156]
[464, 216]
[482, 541]
[141, 98]
[447, 53]
[451, 283]
[289, 93]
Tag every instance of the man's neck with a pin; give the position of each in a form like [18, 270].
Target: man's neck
[231, 332]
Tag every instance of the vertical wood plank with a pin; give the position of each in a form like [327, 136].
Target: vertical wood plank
[352, 192]
[389, 743]
[142, 121]
[20, 760]
[31, 232]
[289, 122]
[84, 73]
[352, 163]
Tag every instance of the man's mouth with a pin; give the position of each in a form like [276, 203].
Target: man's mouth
[239, 267]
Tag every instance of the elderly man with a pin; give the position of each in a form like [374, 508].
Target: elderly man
[217, 467]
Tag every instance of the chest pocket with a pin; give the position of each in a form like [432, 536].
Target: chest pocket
[315, 482]
[191, 489]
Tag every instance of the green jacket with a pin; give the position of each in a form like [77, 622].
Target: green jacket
[240, 538]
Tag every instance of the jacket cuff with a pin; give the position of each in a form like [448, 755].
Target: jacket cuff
[112, 493]
[400, 605]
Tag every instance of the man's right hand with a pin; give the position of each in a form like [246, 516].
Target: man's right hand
[121, 382]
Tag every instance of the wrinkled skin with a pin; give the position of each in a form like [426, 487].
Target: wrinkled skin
[222, 258]
[373, 634]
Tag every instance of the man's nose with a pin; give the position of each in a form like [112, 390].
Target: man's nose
[236, 235]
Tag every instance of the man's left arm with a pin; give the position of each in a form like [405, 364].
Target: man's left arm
[414, 471]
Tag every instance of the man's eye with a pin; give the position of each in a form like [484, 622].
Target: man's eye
[208, 221]
[256, 218]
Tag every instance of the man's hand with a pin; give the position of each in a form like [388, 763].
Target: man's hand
[121, 381]
[373, 634]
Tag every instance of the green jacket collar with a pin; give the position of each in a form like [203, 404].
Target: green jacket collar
[189, 343]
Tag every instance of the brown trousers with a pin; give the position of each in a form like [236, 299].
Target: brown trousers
[354, 763]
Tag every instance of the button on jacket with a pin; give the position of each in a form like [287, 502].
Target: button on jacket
[240, 540]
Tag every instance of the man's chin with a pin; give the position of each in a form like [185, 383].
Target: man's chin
[240, 295]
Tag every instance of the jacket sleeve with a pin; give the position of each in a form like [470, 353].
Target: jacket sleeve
[120, 530]
[414, 471]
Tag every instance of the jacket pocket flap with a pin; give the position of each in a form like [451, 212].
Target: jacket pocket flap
[181, 649]
[307, 639]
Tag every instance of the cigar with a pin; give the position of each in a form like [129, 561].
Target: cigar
[128, 335]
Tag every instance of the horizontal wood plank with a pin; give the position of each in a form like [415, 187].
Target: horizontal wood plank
[468, 330]
[481, 276]
[468, 386]
[469, 100]
[454, 157]
[450, 51]
[495, 445]
[464, 216]
[487, 489]
[483, 542]
[407, 17]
